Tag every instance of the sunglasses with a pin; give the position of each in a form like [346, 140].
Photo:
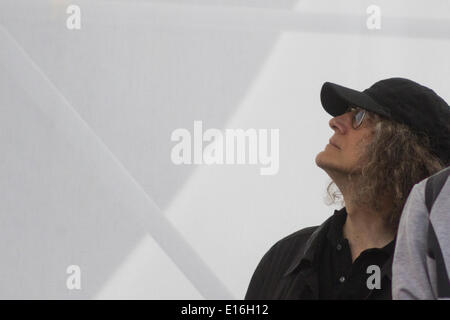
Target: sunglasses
[358, 116]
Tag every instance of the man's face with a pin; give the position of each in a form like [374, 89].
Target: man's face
[343, 153]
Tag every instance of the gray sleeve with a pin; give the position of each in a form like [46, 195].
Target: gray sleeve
[410, 278]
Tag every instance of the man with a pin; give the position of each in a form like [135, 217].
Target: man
[386, 139]
[421, 264]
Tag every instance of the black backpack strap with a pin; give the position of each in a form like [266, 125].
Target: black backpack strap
[433, 187]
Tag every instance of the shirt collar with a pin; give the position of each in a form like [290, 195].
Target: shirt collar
[337, 221]
[307, 254]
[330, 229]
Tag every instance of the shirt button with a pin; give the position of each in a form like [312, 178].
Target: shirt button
[342, 279]
[339, 247]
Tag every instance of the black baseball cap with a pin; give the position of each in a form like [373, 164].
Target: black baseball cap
[401, 100]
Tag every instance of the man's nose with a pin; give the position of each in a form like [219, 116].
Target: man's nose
[339, 123]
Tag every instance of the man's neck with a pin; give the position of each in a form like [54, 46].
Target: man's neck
[365, 229]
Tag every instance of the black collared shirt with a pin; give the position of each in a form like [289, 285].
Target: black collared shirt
[339, 277]
[304, 265]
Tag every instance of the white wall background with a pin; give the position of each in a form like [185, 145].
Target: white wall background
[86, 117]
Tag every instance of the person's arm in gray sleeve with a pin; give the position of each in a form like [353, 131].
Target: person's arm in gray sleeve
[410, 278]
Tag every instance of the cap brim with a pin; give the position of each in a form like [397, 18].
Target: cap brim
[336, 99]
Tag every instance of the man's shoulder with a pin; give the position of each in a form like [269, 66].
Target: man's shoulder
[300, 235]
[275, 262]
[294, 239]
[304, 234]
